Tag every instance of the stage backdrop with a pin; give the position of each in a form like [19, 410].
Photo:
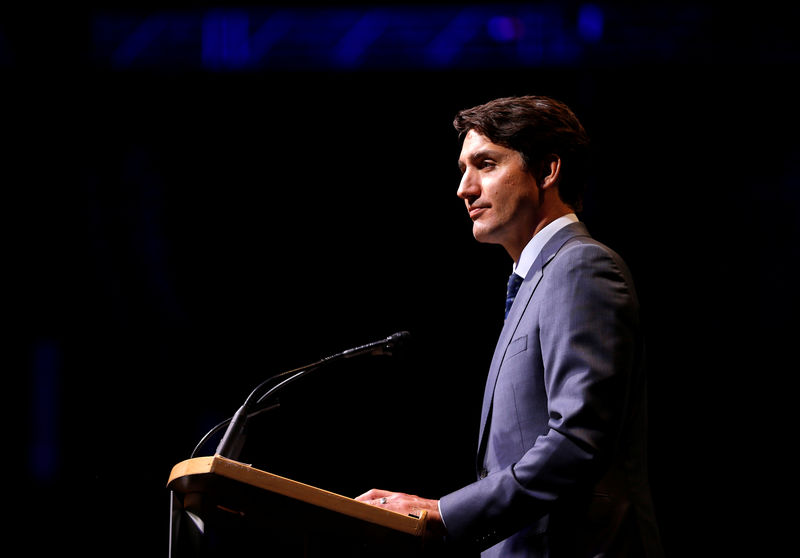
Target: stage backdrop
[198, 216]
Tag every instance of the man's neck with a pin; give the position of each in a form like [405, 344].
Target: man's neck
[531, 251]
[537, 228]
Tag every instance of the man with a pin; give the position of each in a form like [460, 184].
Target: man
[561, 455]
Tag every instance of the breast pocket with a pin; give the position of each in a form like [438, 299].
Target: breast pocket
[517, 346]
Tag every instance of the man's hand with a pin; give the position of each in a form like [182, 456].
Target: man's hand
[406, 504]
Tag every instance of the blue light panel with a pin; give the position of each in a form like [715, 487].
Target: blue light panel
[434, 36]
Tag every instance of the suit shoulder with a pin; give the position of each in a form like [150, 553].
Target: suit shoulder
[587, 247]
[585, 255]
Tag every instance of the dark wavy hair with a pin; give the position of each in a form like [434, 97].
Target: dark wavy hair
[536, 127]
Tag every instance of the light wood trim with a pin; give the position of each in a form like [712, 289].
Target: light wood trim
[241, 472]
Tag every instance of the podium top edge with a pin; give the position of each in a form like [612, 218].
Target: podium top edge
[244, 473]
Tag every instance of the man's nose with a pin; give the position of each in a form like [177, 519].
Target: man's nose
[468, 187]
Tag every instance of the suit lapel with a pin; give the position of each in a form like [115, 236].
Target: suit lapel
[521, 301]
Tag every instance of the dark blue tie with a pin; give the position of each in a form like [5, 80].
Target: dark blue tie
[513, 286]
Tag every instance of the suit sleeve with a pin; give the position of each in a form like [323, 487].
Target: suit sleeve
[587, 319]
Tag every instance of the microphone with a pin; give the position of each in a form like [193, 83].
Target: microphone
[232, 441]
[382, 347]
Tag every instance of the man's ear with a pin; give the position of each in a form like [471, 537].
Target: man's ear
[551, 171]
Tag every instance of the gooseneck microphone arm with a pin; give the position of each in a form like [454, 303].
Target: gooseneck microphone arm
[225, 423]
[230, 445]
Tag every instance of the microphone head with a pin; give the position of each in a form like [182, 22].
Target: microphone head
[393, 342]
[382, 347]
[399, 337]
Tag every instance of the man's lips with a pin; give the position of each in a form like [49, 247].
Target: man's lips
[475, 212]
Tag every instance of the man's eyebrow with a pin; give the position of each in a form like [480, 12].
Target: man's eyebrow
[479, 156]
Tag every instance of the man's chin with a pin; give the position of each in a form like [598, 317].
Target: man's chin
[482, 233]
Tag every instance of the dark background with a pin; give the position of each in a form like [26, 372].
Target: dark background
[180, 229]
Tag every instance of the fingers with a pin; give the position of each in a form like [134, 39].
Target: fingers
[398, 501]
[373, 494]
[406, 504]
[395, 501]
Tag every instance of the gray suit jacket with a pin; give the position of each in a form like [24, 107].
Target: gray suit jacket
[561, 459]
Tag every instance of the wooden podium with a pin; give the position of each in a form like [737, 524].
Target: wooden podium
[221, 507]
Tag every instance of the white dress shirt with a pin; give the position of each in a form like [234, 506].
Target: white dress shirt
[532, 249]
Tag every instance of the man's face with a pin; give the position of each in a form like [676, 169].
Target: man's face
[501, 196]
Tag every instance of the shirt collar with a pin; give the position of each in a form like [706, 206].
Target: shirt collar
[535, 245]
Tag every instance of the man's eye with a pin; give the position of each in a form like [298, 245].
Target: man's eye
[487, 164]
